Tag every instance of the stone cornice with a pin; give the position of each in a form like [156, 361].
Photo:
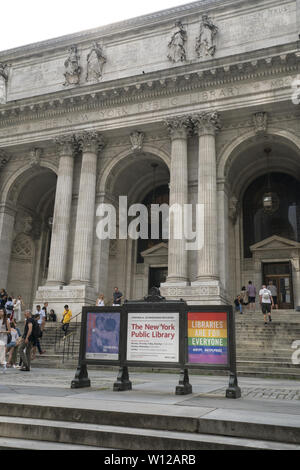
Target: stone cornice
[188, 78]
[119, 27]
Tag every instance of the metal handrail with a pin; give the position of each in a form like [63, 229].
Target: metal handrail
[66, 343]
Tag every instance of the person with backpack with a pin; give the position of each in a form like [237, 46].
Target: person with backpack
[28, 341]
[37, 333]
[266, 302]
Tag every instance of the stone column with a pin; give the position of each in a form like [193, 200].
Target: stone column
[62, 212]
[177, 253]
[206, 125]
[7, 221]
[90, 143]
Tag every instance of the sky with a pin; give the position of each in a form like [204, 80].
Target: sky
[27, 21]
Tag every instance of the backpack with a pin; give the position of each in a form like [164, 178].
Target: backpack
[266, 295]
[36, 330]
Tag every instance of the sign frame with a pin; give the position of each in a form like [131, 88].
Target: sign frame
[184, 387]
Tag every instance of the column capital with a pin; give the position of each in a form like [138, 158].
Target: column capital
[65, 144]
[178, 126]
[90, 141]
[206, 123]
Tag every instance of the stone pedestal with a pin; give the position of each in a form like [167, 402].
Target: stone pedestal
[75, 297]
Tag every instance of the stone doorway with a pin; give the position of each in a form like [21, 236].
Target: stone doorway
[157, 276]
[281, 276]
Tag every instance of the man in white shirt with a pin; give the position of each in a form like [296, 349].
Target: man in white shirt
[266, 302]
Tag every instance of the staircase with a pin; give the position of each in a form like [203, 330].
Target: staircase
[262, 351]
[266, 350]
[40, 427]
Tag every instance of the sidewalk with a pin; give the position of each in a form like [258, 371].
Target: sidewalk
[263, 400]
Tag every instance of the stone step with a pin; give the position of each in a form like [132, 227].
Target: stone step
[128, 438]
[141, 417]
[24, 444]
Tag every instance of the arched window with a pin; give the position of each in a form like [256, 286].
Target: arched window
[284, 218]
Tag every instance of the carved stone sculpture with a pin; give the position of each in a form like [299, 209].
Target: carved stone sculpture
[4, 158]
[176, 45]
[72, 67]
[205, 43]
[95, 62]
[35, 157]
[260, 121]
[3, 82]
[137, 140]
[207, 122]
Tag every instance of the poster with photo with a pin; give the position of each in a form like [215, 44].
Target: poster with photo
[103, 336]
[153, 337]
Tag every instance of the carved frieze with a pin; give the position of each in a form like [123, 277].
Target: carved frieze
[205, 42]
[72, 68]
[176, 45]
[95, 63]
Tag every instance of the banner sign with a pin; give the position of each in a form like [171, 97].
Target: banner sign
[207, 338]
[153, 337]
[103, 335]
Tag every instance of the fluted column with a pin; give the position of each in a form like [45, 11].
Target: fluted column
[7, 221]
[206, 125]
[90, 143]
[177, 253]
[62, 212]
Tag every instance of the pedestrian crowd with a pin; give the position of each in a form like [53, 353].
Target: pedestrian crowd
[246, 300]
[20, 335]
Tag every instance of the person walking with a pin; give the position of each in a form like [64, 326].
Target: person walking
[37, 343]
[244, 296]
[5, 329]
[251, 291]
[273, 289]
[266, 302]
[27, 342]
[67, 315]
